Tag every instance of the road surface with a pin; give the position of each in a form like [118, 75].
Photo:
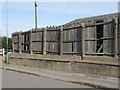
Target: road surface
[20, 80]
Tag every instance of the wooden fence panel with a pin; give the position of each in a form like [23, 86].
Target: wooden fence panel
[15, 42]
[37, 36]
[105, 42]
[37, 47]
[72, 41]
[22, 41]
[108, 42]
[37, 42]
[24, 44]
[111, 35]
[90, 42]
[16, 47]
[15, 38]
[53, 41]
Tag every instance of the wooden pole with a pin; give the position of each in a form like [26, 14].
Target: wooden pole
[44, 41]
[83, 39]
[61, 40]
[116, 38]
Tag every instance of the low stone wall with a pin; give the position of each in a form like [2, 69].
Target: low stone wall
[69, 66]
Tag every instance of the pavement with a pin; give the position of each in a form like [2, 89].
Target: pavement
[13, 79]
[95, 81]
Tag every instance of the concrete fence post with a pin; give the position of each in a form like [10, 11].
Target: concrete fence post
[13, 50]
[61, 40]
[116, 38]
[44, 41]
[31, 52]
[83, 39]
[19, 39]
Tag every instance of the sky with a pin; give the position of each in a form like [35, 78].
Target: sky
[21, 14]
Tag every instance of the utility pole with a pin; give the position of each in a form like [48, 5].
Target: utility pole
[6, 60]
[35, 15]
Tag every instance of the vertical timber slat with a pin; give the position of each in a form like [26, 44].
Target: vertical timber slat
[105, 34]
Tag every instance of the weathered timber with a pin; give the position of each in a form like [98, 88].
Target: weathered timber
[83, 39]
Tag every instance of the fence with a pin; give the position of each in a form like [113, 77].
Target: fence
[97, 37]
[2, 52]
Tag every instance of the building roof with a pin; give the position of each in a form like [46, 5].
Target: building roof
[87, 19]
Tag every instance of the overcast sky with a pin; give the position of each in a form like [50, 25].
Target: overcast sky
[21, 14]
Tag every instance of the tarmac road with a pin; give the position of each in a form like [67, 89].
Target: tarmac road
[20, 80]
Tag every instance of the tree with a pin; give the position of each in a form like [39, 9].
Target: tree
[3, 42]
